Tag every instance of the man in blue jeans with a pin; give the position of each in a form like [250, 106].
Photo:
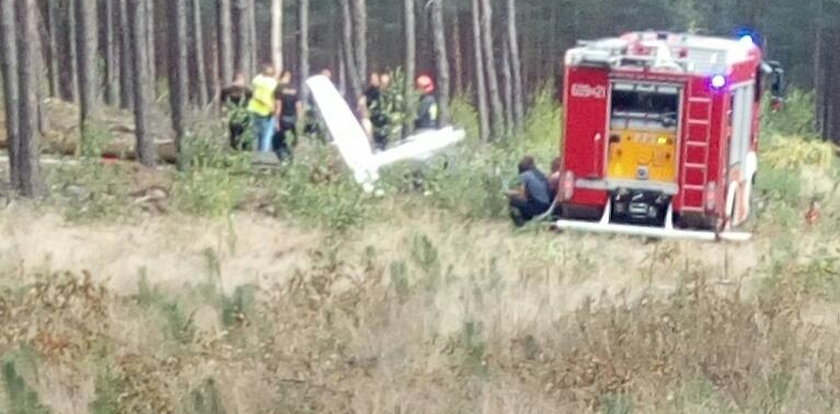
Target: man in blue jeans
[261, 107]
[533, 197]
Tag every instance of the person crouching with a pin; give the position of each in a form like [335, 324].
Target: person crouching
[533, 197]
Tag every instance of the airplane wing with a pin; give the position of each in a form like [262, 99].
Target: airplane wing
[353, 144]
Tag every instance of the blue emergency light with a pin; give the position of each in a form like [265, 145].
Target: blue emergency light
[718, 81]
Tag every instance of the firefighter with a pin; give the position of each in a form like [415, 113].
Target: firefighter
[427, 112]
[261, 106]
[533, 196]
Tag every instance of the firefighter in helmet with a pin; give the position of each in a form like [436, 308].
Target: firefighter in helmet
[427, 112]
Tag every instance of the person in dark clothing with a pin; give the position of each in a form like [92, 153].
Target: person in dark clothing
[427, 111]
[287, 108]
[234, 99]
[533, 196]
[380, 106]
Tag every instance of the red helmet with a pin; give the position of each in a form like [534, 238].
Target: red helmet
[425, 84]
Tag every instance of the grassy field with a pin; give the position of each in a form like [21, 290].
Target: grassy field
[225, 289]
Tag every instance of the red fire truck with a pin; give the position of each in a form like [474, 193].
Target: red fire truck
[661, 134]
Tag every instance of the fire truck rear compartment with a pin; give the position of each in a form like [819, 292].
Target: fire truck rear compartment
[642, 150]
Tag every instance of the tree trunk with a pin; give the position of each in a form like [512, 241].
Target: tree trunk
[303, 45]
[457, 55]
[198, 44]
[111, 82]
[441, 62]
[215, 79]
[178, 73]
[88, 79]
[277, 33]
[508, 85]
[481, 84]
[252, 32]
[29, 174]
[127, 62]
[352, 75]
[41, 76]
[516, 65]
[342, 72]
[9, 67]
[243, 38]
[142, 82]
[54, 26]
[360, 38]
[833, 88]
[224, 31]
[150, 42]
[410, 63]
[72, 50]
[490, 65]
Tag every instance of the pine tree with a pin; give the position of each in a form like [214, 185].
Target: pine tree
[11, 103]
[30, 183]
[178, 74]
[441, 61]
[277, 33]
[127, 64]
[198, 55]
[141, 80]
[88, 79]
[497, 122]
[410, 61]
[515, 65]
[224, 31]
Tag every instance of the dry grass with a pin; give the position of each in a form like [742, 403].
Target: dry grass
[437, 316]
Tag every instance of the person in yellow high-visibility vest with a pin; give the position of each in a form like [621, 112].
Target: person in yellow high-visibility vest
[261, 106]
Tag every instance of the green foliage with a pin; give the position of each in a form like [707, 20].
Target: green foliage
[779, 185]
[206, 399]
[399, 278]
[178, 325]
[107, 390]
[796, 119]
[795, 152]
[215, 181]
[315, 190]
[90, 190]
[211, 192]
[235, 308]
[543, 123]
[22, 399]
[425, 255]
[475, 347]
[465, 116]
[616, 404]
[96, 136]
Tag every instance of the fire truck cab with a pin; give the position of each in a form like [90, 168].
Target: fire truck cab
[661, 133]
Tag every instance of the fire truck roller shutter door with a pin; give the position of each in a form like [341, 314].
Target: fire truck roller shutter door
[643, 131]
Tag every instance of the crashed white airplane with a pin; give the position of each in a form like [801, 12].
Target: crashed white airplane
[353, 143]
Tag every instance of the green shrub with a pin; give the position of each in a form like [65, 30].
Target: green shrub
[314, 189]
[209, 192]
[797, 118]
[90, 190]
[22, 399]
